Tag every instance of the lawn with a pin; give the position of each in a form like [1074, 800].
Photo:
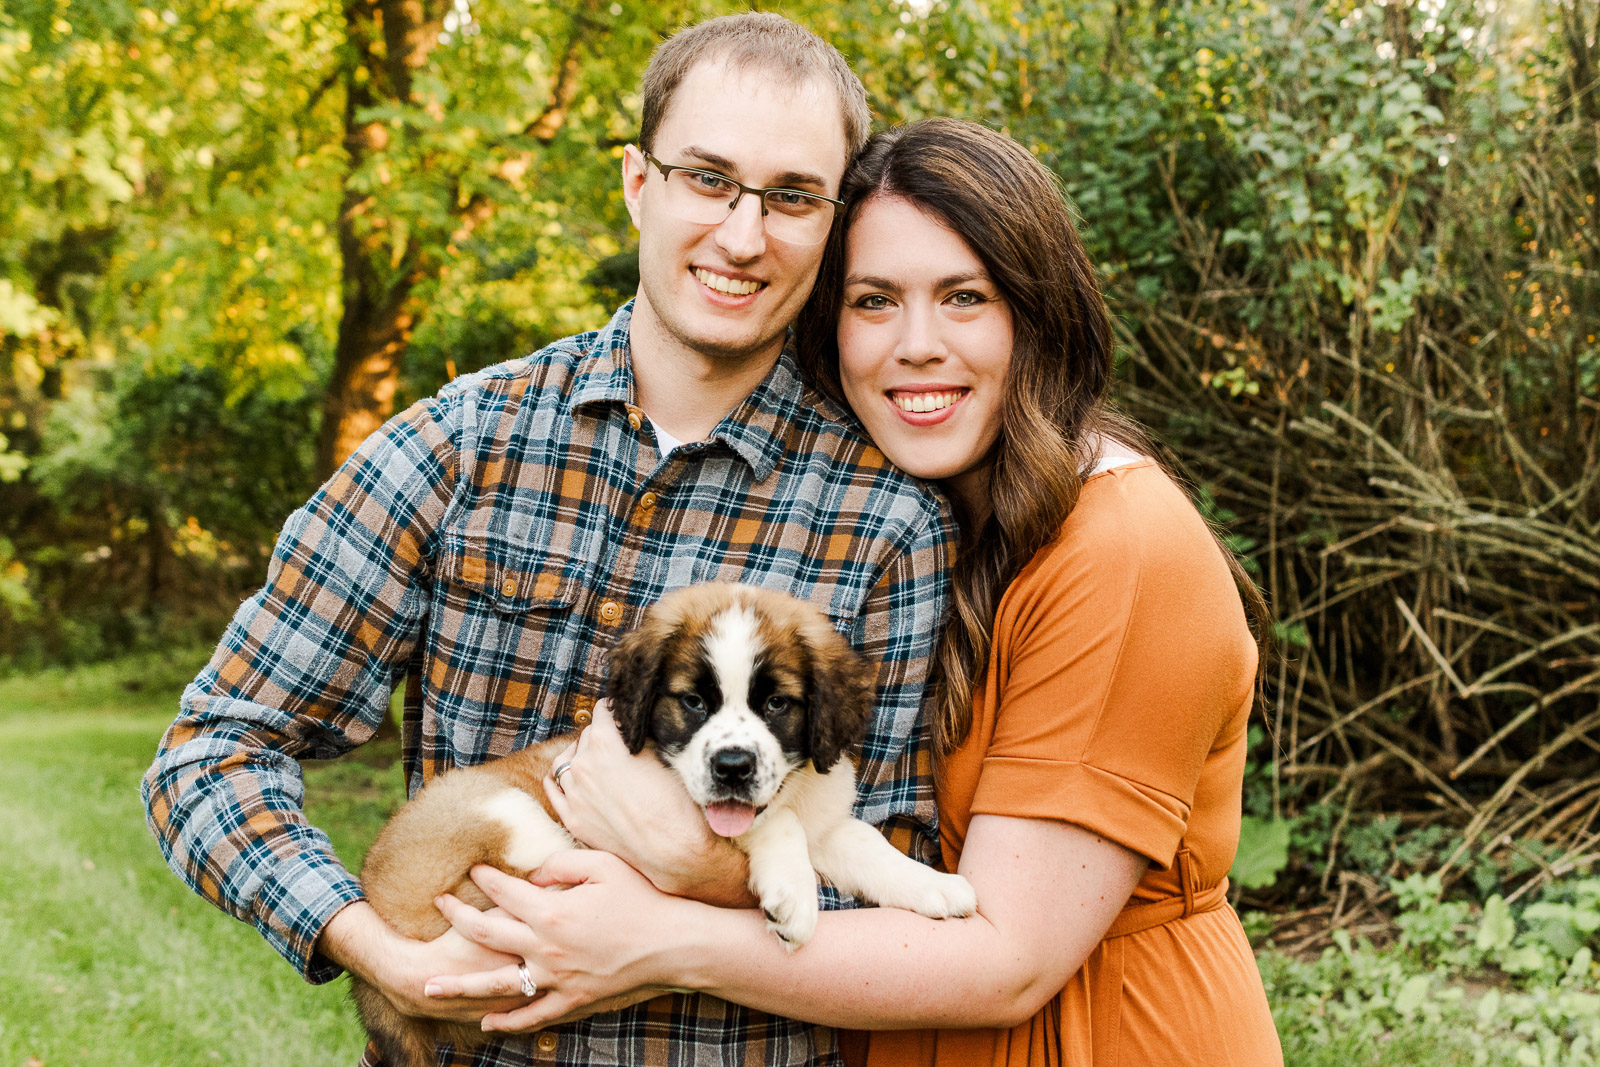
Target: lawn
[109, 959]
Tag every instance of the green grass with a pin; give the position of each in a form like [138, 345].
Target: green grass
[108, 958]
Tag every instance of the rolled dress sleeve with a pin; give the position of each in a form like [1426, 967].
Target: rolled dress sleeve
[304, 670]
[1121, 653]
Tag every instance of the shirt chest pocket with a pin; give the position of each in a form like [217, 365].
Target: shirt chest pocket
[487, 570]
[503, 646]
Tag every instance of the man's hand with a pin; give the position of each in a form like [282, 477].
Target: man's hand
[633, 807]
[399, 967]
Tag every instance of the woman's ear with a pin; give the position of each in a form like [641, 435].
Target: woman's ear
[841, 696]
[633, 677]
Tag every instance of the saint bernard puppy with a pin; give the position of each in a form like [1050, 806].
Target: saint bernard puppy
[755, 701]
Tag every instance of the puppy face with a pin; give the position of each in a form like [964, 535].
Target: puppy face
[737, 687]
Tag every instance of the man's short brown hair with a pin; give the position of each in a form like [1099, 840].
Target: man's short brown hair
[754, 40]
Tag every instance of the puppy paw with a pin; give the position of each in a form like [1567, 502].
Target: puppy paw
[944, 896]
[791, 913]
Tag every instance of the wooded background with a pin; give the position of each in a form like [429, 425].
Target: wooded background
[1352, 249]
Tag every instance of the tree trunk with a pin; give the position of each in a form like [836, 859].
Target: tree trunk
[391, 40]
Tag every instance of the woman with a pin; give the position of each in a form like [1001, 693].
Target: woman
[1096, 680]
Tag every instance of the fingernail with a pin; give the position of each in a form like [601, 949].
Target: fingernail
[432, 989]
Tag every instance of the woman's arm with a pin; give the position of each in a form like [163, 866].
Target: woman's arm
[1047, 892]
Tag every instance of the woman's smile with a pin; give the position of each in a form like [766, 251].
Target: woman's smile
[926, 406]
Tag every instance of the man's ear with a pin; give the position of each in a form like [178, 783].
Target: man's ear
[633, 677]
[841, 697]
[635, 169]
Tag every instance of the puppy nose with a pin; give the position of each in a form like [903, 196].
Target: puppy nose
[732, 766]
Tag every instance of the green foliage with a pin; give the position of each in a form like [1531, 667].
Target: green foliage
[1263, 852]
[1508, 988]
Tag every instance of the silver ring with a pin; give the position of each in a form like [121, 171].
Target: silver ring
[561, 768]
[528, 988]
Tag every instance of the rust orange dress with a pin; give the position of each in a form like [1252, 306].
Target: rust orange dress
[1117, 698]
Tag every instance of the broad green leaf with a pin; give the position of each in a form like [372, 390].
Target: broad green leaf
[1263, 852]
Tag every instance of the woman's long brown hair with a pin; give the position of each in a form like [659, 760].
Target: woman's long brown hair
[1011, 213]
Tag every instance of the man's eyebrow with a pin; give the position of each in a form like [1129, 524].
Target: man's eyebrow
[787, 180]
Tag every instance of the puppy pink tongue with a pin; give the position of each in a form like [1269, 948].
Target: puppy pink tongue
[729, 819]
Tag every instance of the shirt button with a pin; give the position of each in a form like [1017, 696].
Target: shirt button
[583, 718]
[610, 612]
[634, 420]
[508, 587]
[647, 501]
[547, 1042]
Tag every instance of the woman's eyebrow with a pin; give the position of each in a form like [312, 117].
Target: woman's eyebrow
[947, 282]
[871, 282]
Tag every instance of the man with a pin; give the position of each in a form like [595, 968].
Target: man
[490, 543]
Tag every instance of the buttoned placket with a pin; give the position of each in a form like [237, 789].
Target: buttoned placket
[654, 476]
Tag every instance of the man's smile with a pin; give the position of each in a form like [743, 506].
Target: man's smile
[724, 284]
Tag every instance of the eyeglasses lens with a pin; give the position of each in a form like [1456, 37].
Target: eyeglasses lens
[791, 217]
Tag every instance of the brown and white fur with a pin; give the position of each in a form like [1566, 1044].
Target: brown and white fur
[755, 701]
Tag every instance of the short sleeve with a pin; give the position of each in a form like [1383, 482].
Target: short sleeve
[1121, 653]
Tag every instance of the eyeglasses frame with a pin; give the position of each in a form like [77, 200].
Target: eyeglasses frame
[761, 194]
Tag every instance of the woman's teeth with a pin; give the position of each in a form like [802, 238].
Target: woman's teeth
[920, 402]
[731, 286]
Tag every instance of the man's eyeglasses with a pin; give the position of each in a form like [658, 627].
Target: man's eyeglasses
[706, 198]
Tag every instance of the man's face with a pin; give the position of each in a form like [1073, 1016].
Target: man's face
[742, 125]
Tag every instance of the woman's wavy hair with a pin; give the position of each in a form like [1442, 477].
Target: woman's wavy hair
[1012, 214]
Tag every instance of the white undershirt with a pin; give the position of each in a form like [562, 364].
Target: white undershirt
[665, 442]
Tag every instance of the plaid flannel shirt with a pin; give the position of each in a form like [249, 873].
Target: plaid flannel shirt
[488, 545]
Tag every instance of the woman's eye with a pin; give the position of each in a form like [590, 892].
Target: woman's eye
[966, 298]
[777, 705]
[873, 302]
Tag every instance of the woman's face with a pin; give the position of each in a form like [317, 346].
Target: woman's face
[924, 344]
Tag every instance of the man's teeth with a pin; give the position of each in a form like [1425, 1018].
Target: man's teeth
[925, 401]
[731, 286]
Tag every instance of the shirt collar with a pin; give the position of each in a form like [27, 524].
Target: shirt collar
[757, 430]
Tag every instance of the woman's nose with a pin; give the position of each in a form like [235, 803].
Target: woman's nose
[920, 341]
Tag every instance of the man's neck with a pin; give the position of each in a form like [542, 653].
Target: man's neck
[687, 392]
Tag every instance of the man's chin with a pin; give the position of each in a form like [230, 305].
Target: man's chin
[734, 343]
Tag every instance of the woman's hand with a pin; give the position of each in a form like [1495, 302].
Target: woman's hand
[634, 807]
[601, 944]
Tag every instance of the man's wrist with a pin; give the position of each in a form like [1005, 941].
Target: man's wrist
[361, 942]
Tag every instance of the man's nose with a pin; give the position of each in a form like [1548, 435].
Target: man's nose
[742, 236]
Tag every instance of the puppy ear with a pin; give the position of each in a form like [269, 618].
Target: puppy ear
[632, 679]
[841, 697]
